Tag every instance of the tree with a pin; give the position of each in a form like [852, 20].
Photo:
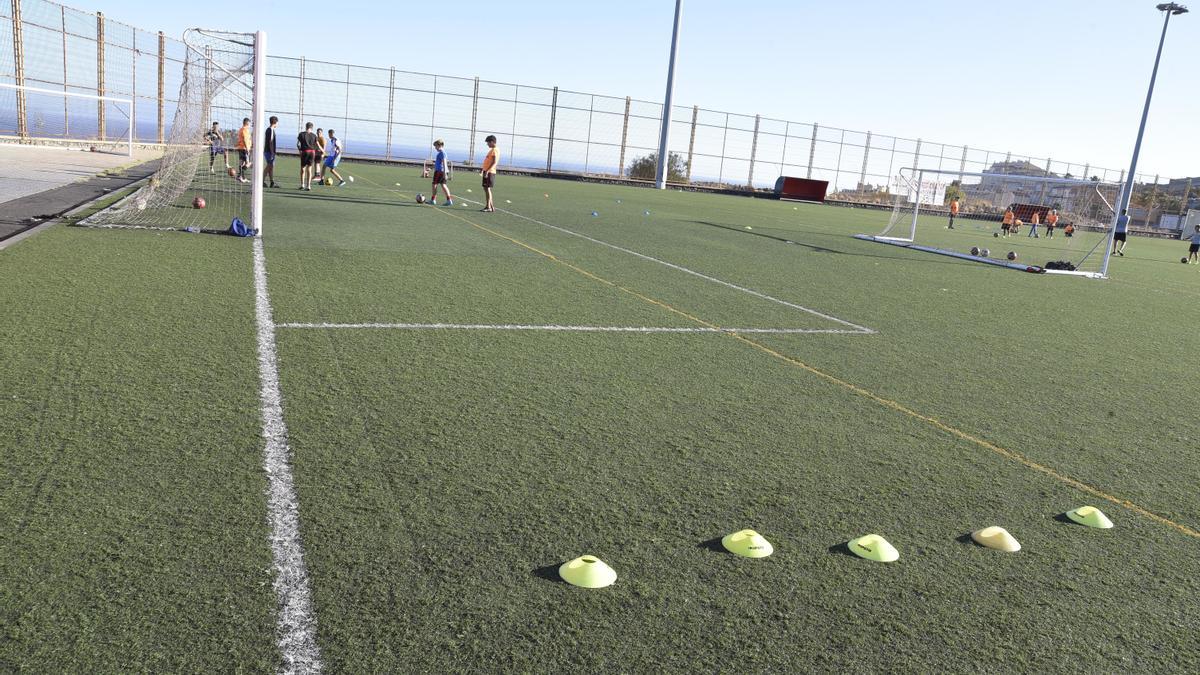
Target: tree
[954, 191]
[647, 166]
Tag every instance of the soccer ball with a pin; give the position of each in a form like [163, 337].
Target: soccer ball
[1012, 255]
[350, 178]
[231, 171]
[985, 253]
[420, 198]
[141, 204]
[995, 234]
[328, 181]
[1183, 260]
[198, 203]
[974, 250]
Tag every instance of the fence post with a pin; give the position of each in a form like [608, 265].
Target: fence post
[587, 148]
[917, 157]
[812, 151]
[100, 89]
[550, 143]
[962, 166]
[19, 65]
[133, 92]
[346, 109]
[862, 177]
[162, 85]
[753, 152]
[787, 126]
[387, 152]
[66, 102]
[474, 115]
[300, 102]
[724, 140]
[433, 113]
[1183, 206]
[692, 141]
[624, 138]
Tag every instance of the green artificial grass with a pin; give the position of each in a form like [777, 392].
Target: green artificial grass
[132, 521]
[444, 474]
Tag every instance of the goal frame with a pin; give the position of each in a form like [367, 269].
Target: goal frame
[126, 140]
[916, 176]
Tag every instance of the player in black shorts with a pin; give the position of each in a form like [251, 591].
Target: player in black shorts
[306, 143]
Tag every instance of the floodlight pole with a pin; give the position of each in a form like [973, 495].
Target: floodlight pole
[1169, 9]
[660, 178]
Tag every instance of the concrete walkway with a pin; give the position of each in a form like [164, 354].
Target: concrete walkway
[38, 183]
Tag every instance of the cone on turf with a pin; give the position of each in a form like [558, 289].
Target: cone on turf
[748, 544]
[587, 571]
[1090, 516]
[996, 537]
[873, 547]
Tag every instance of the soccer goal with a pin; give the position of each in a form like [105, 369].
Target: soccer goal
[65, 118]
[1033, 223]
[205, 179]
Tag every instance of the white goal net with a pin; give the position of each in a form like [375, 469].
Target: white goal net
[211, 171]
[1037, 223]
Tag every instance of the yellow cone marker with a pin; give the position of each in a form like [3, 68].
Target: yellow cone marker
[996, 537]
[1090, 516]
[748, 544]
[587, 571]
[874, 547]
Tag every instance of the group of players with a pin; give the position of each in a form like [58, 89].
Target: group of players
[321, 154]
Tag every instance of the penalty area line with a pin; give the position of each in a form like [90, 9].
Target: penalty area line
[567, 329]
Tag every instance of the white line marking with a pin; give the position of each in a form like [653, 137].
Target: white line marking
[574, 329]
[857, 328]
[297, 624]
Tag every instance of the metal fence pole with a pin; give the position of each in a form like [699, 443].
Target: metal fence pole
[787, 126]
[100, 88]
[917, 157]
[162, 85]
[1087, 168]
[692, 141]
[862, 177]
[550, 141]
[587, 147]
[724, 139]
[66, 101]
[346, 109]
[624, 139]
[753, 152]
[474, 115]
[812, 151]
[837, 168]
[433, 114]
[19, 64]
[133, 92]
[1183, 205]
[300, 100]
[962, 166]
[387, 152]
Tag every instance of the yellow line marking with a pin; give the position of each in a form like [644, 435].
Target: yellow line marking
[865, 393]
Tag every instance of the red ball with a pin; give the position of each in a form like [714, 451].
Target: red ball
[198, 203]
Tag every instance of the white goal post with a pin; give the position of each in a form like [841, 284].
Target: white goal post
[1009, 205]
[48, 119]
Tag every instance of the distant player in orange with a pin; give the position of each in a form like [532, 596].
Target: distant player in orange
[1010, 219]
[1051, 222]
[245, 140]
[1034, 221]
[953, 213]
[1069, 230]
[490, 161]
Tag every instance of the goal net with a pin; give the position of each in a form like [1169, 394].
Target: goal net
[82, 121]
[207, 175]
[1033, 223]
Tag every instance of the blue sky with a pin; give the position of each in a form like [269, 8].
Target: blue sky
[1064, 78]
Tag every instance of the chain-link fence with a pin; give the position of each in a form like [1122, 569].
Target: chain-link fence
[390, 114]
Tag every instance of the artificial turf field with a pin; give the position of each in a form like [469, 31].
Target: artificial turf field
[442, 474]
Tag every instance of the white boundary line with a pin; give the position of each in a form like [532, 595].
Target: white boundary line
[857, 328]
[566, 329]
[296, 624]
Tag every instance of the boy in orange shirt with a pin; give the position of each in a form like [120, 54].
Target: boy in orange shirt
[1009, 220]
[1051, 222]
[489, 171]
[953, 213]
[244, 142]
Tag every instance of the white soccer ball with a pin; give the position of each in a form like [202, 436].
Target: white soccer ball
[420, 198]
[350, 178]
[985, 253]
[141, 205]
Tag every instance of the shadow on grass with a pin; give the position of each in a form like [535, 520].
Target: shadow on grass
[841, 548]
[1062, 518]
[713, 544]
[822, 249]
[299, 194]
[964, 539]
[549, 573]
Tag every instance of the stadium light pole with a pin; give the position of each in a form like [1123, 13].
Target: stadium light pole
[1169, 9]
[660, 178]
